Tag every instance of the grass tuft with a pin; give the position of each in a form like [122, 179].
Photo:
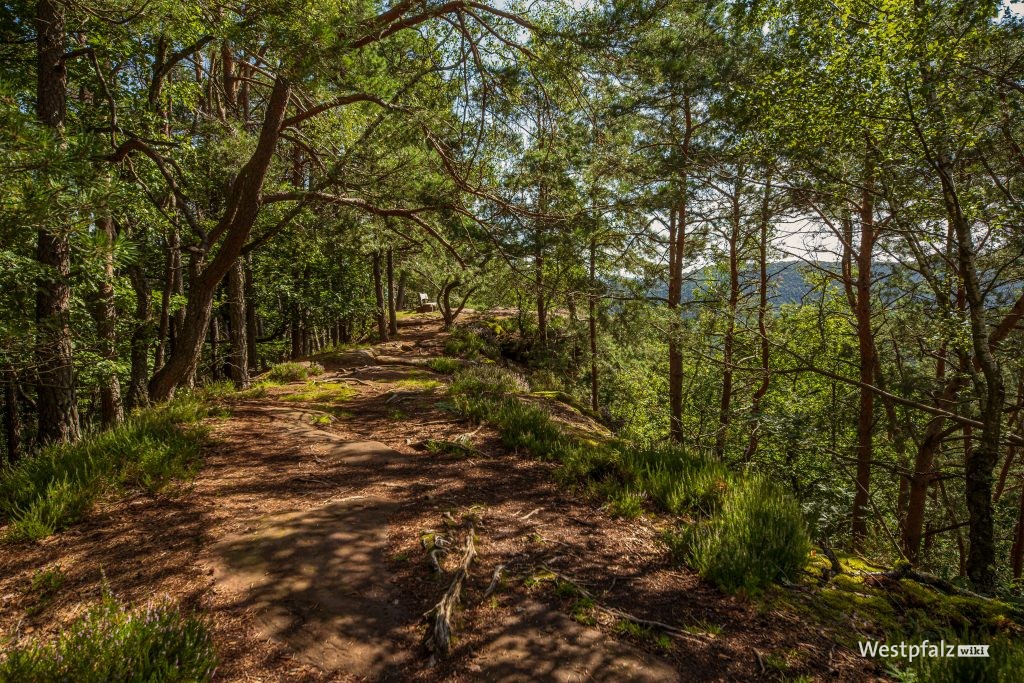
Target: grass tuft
[44, 493]
[282, 373]
[110, 643]
[759, 536]
[445, 366]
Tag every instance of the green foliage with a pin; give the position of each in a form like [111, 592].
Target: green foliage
[321, 392]
[445, 366]
[282, 373]
[110, 643]
[48, 491]
[759, 536]
[626, 503]
[466, 343]
[488, 381]
[1004, 664]
[678, 480]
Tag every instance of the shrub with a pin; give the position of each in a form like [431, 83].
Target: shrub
[758, 536]
[445, 366]
[468, 344]
[488, 380]
[111, 644]
[679, 481]
[526, 426]
[1004, 664]
[282, 373]
[48, 491]
[626, 503]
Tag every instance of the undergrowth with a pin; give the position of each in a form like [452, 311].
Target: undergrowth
[748, 532]
[282, 373]
[111, 643]
[42, 494]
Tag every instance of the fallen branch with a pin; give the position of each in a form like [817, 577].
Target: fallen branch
[530, 514]
[442, 612]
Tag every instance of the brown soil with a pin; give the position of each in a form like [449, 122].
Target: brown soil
[303, 539]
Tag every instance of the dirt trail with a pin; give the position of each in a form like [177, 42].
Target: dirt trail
[303, 539]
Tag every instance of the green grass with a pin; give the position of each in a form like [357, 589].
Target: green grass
[110, 643]
[445, 366]
[678, 481]
[1005, 664]
[759, 536]
[418, 383]
[749, 532]
[44, 493]
[282, 373]
[43, 588]
[488, 381]
[466, 343]
[321, 392]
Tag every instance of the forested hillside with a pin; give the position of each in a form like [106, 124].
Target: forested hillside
[686, 329]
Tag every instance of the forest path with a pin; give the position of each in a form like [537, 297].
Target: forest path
[324, 551]
[303, 536]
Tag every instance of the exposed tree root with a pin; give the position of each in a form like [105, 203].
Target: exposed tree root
[441, 637]
[495, 578]
[669, 629]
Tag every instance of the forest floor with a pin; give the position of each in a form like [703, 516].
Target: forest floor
[305, 538]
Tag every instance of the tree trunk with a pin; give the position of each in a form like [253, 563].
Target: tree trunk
[676, 255]
[866, 353]
[403, 278]
[12, 416]
[378, 291]
[991, 394]
[138, 393]
[56, 402]
[762, 326]
[214, 328]
[238, 360]
[392, 313]
[164, 328]
[296, 333]
[105, 313]
[250, 322]
[1017, 552]
[592, 324]
[725, 403]
[538, 277]
[242, 208]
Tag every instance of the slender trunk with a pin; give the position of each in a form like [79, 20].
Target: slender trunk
[866, 352]
[239, 216]
[538, 280]
[725, 403]
[105, 313]
[378, 291]
[215, 365]
[592, 324]
[238, 360]
[677, 245]
[250, 322]
[164, 329]
[12, 416]
[991, 394]
[762, 326]
[1017, 552]
[392, 313]
[296, 334]
[403, 278]
[138, 393]
[677, 242]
